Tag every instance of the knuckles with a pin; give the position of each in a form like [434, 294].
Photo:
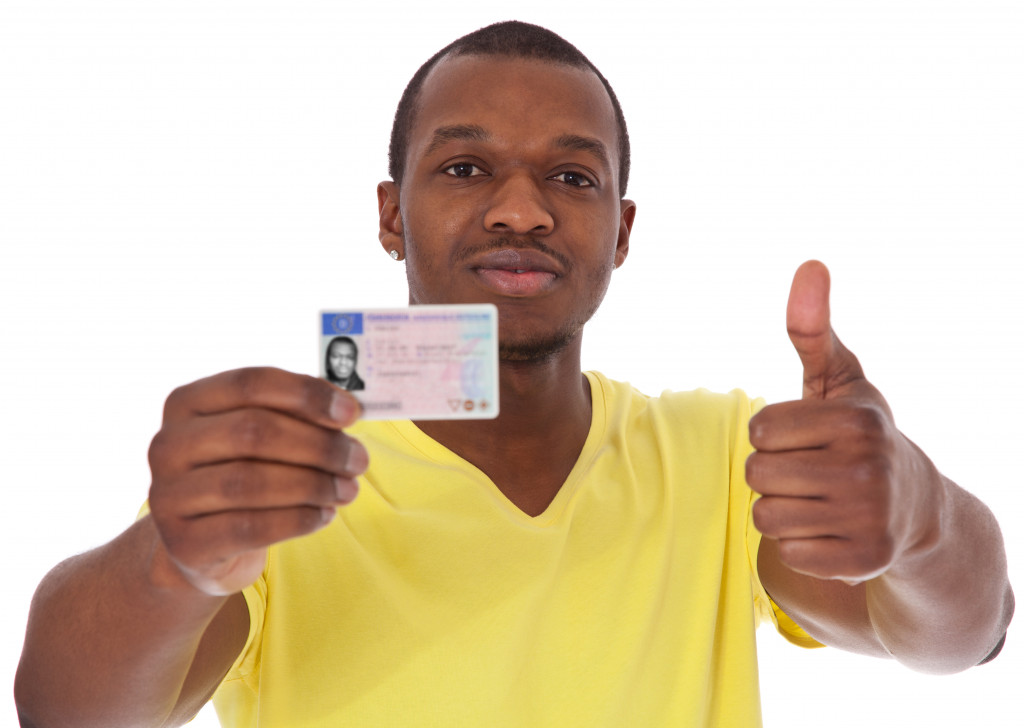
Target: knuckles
[751, 470]
[176, 400]
[851, 464]
[765, 518]
[315, 394]
[246, 384]
[817, 421]
[867, 423]
[251, 430]
[310, 395]
[243, 527]
[240, 481]
[758, 471]
[757, 429]
[158, 450]
[872, 473]
[167, 455]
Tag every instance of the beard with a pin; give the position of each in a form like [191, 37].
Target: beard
[537, 348]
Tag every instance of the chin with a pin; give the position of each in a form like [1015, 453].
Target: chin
[535, 349]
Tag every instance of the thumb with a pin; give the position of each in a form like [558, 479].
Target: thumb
[827, 363]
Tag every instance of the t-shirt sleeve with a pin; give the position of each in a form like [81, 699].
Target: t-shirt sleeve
[764, 608]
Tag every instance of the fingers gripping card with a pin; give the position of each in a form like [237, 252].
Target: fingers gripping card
[419, 363]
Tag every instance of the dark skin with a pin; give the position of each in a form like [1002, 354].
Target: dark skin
[866, 544]
[510, 197]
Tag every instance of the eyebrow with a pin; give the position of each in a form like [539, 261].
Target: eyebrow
[476, 133]
[579, 143]
[457, 132]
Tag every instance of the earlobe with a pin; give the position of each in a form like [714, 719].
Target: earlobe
[626, 215]
[391, 230]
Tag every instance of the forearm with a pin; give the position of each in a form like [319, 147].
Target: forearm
[944, 607]
[112, 634]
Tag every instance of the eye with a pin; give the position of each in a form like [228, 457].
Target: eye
[575, 179]
[463, 169]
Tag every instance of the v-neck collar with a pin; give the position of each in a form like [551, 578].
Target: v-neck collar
[432, 450]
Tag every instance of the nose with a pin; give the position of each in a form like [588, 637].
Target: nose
[519, 207]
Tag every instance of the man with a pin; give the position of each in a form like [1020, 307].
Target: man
[340, 364]
[587, 558]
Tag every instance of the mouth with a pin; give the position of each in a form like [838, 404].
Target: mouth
[517, 272]
[519, 284]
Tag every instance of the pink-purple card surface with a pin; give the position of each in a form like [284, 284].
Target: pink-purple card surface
[417, 363]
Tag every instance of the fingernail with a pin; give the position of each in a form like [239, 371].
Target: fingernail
[345, 490]
[357, 459]
[327, 514]
[341, 408]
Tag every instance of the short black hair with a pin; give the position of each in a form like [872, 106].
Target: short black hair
[514, 39]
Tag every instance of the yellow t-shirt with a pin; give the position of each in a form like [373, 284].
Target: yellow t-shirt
[432, 600]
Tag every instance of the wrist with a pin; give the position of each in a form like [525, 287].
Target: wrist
[165, 578]
[925, 512]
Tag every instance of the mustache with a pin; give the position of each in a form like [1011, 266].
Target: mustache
[504, 243]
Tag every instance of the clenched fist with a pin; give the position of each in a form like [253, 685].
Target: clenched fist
[245, 459]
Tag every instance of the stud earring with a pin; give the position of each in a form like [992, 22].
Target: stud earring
[394, 255]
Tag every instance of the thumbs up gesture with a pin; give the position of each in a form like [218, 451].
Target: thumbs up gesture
[844, 493]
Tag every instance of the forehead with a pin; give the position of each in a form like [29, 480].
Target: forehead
[338, 346]
[521, 99]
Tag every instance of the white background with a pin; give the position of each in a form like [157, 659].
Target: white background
[184, 184]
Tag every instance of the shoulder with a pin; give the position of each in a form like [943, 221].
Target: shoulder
[700, 405]
[695, 421]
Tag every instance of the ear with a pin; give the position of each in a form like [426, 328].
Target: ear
[391, 231]
[626, 215]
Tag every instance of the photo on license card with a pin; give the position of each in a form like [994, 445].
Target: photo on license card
[421, 362]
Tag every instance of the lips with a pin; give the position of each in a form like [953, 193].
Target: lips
[517, 272]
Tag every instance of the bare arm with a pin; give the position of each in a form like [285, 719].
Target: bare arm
[140, 632]
[113, 633]
[942, 611]
[866, 545]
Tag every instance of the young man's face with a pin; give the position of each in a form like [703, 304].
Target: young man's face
[342, 359]
[510, 196]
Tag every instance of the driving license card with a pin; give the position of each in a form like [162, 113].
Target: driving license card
[418, 363]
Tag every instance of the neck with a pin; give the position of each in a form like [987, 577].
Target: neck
[533, 444]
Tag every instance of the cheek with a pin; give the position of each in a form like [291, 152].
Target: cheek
[603, 234]
[417, 271]
[434, 220]
[431, 239]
